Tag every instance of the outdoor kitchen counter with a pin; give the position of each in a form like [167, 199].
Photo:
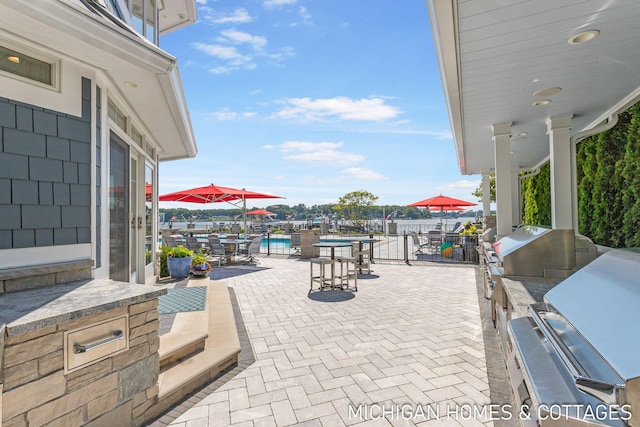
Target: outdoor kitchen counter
[33, 309]
[522, 291]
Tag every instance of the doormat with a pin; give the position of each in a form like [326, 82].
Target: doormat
[178, 300]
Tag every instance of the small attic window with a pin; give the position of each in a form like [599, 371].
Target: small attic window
[26, 66]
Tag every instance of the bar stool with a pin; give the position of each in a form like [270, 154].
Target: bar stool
[321, 277]
[363, 258]
[348, 271]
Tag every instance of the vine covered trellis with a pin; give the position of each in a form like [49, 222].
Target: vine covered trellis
[608, 177]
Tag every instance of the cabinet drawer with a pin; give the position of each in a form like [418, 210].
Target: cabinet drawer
[90, 344]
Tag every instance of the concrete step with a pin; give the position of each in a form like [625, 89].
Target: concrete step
[176, 347]
[221, 348]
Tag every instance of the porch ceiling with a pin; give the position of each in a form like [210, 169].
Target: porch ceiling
[174, 14]
[495, 54]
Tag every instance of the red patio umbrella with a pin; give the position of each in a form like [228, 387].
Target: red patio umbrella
[212, 194]
[215, 193]
[442, 203]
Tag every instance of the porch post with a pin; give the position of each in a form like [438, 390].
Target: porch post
[516, 198]
[486, 196]
[504, 207]
[558, 129]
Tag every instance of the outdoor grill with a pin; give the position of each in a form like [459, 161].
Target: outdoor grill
[534, 251]
[575, 360]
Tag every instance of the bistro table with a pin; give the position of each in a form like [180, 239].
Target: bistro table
[236, 243]
[333, 245]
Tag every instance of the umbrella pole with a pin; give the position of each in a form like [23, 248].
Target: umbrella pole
[244, 212]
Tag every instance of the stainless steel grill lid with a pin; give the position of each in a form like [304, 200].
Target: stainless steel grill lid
[517, 239]
[602, 302]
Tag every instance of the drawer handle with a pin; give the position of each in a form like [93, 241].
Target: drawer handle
[83, 348]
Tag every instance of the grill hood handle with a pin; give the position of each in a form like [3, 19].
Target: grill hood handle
[612, 394]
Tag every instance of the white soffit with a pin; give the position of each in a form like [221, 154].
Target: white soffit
[495, 54]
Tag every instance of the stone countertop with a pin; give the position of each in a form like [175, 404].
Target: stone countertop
[523, 291]
[33, 309]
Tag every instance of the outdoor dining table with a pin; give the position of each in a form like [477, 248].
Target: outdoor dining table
[332, 245]
[236, 243]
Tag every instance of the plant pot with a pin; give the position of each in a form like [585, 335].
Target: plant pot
[201, 270]
[179, 267]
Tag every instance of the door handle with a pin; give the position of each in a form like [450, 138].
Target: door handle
[140, 222]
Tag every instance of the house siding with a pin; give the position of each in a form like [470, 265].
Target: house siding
[45, 179]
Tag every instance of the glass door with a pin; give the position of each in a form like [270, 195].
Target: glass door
[149, 217]
[118, 209]
[131, 182]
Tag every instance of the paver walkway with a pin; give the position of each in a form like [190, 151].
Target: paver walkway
[408, 343]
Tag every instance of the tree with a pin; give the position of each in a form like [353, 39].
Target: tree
[492, 189]
[353, 206]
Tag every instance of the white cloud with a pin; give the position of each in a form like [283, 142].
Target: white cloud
[342, 107]
[305, 15]
[224, 114]
[227, 114]
[237, 37]
[321, 153]
[238, 16]
[219, 51]
[234, 59]
[272, 4]
[364, 174]
[268, 147]
[331, 157]
[309, 146]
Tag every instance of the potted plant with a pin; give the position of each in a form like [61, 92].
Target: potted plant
[199, 265]
[179, 261]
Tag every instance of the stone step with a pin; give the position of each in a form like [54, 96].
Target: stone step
[221, 349]
[176, 347]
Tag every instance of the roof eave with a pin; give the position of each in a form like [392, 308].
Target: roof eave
[443, 17]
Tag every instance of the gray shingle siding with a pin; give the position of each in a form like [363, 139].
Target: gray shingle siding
[45, 174]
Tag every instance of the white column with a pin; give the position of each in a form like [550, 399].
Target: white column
[558, 129]
[516, 198]
[504, 207]
[486, 194]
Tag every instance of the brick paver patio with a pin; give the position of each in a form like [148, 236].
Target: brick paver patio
[408, 343]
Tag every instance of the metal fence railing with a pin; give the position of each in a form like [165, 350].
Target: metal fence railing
[435, 247]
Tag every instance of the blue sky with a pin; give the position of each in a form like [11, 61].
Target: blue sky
[311, 100]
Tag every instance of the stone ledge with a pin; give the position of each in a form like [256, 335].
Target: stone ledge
[34, 309]
[41, 269]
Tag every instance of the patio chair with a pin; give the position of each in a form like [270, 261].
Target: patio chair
[169, 241]
[295, 243]
[434, 239]
[417, 243]
[193, 243]
[254, 250]
[217, 252]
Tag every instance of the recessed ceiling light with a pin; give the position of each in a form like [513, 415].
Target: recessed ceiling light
[14, 59]
[584, 37]
[547, 92]
[543, 102]
[131, 84]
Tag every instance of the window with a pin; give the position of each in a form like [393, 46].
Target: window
[26, 66]
[144, 15]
